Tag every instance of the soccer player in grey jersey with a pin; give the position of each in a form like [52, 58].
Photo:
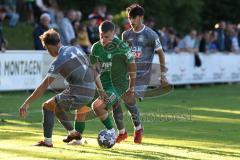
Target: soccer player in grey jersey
[72, 64]
[144, 42]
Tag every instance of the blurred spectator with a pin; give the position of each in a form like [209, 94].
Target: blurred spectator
[66, 29]
[100, 13]
[221, 36]
[174, 40]
[83, 39]
[50, 7]
[228, 37]
[233, 33]
[208, 43]
[168, 38]
[151, 23]
[92, 29]
[30, 10]
[77, 22]
[109, 17]
[39, 8]
[3, 41]
[40, 29]
[204, 41]
[8, 11]
[118, 31]
[125, 24]
[74, 42]
[189, 43]
[212, 47]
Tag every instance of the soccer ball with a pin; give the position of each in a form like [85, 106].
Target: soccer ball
[106, 139]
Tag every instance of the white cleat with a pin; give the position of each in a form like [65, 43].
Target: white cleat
[78, 142]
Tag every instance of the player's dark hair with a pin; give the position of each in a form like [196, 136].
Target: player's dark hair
[135, 10]
[50, 37]
[106, 26]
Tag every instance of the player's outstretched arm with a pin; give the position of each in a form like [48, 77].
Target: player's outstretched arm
[35, 95]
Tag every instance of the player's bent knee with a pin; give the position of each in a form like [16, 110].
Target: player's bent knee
[98, 104]
[49, 105]
[81, 113]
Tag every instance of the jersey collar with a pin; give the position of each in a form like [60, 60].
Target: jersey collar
[140, 30]
[60, 48]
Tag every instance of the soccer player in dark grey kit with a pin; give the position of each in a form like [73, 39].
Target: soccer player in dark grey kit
[144, 42]
[73, 65]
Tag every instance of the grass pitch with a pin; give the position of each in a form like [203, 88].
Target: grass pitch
[198, 123]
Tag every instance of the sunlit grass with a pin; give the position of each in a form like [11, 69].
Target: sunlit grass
[187, 124]
[217, 110]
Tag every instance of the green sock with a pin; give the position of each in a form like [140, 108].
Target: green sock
[79, 126]
[108, 123]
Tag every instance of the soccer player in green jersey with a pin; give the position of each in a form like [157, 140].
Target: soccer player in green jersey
[104, 52]
[117, 74]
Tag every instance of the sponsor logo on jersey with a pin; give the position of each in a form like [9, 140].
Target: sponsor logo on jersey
[106, 66]
[109, 56]
[137, 51]
[112, 97]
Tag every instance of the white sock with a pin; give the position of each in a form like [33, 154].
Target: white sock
[122, 131]
[138, 127]
[112, 130]
[72, 131]
[48, 140]
[79, 141]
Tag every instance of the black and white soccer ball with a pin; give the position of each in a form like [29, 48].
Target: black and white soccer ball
[106, 139]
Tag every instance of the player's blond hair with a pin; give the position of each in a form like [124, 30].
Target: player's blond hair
[50, 37]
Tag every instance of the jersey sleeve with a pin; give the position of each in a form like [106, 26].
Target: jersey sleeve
[52, 72]
[93, 58]
[156, 41]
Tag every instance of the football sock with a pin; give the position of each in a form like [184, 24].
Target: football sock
[72, 131]
[122, 131]
[48, 122]
[118, 117]
[48, 140]
[133, 110]
[63, 119]
[138, 127]
[108, 123]
[79, 126]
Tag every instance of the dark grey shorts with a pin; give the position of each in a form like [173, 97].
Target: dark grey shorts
[140, 91]
[74, 97]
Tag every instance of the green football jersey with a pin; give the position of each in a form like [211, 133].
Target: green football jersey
[113, 61]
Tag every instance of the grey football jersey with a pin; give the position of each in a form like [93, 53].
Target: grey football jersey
[143, 45]
[73, 64]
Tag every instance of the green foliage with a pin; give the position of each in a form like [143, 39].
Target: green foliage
[215, 11]
[182, 14]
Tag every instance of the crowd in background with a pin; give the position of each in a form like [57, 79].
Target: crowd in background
[45, 14]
